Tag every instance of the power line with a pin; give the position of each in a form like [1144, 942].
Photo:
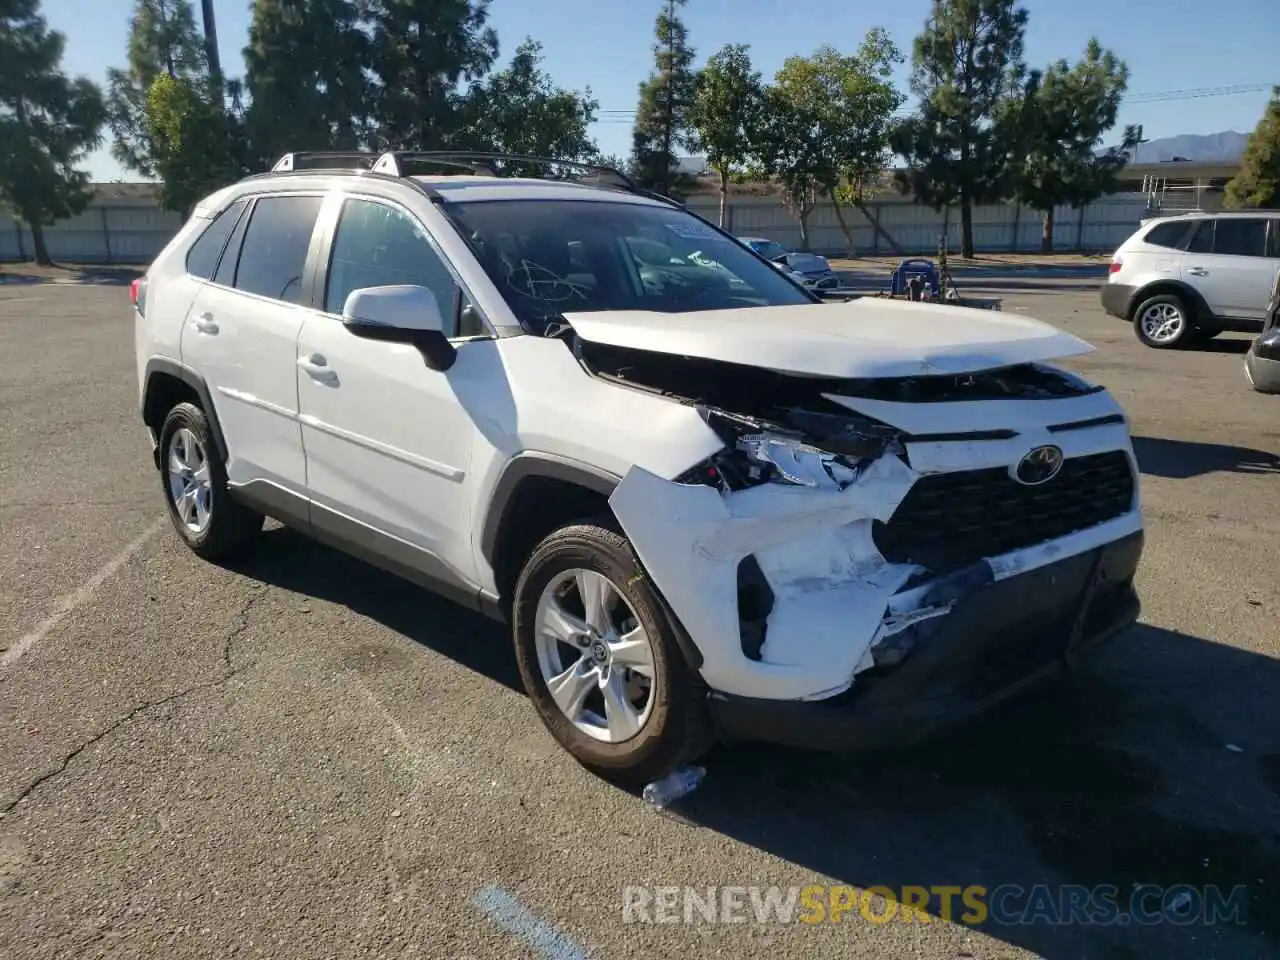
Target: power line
[628, 114]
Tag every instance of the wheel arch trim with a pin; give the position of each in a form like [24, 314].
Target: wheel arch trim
[1156, 288]
[161, 366]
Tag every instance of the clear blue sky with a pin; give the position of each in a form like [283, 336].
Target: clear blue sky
[1170, 45]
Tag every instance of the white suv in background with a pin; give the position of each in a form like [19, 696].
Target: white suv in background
[1188, 278]
[707, 503]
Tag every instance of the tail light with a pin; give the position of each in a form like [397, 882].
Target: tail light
[1116, 264]
[138, 293]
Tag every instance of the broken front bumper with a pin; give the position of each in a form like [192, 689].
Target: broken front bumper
[997, 641]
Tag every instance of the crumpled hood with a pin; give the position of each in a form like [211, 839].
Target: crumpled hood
[870, 337]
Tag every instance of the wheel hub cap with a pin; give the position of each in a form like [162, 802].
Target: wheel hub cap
[190, 484]
[595, 658]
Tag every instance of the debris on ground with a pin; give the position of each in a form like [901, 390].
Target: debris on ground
[676, 784]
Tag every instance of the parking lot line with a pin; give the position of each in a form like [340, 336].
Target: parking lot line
[515, 918]
[68, 603]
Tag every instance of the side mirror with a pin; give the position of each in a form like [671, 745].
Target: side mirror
[400, 314]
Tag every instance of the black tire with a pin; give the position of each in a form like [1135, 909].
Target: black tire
[1185, 332]
[678, 728]
[232, 526]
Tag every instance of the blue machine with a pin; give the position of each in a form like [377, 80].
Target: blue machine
[908, 270]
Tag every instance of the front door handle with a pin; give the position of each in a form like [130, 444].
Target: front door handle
[204, 324]
[317, 368]
[1198, 272]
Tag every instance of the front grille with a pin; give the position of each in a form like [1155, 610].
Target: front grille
[950, 520]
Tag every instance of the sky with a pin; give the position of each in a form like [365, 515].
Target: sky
[1172, 47]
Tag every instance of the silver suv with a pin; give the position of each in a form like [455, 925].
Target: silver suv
[1188, 278]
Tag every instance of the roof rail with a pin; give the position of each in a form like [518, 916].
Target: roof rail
[493, 164]
[324, 160]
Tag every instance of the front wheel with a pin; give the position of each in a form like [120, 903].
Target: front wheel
[600, 661]
[1163, 322]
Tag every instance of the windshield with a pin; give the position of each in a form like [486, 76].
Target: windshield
[552, 257]
[768, 248]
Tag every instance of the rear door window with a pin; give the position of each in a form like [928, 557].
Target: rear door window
[1241, 237]
[1202, 240]
[273, 255]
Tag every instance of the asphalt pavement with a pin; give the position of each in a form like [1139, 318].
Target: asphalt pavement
[304, 757]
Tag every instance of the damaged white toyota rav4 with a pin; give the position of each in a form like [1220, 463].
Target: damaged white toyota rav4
[709, 504]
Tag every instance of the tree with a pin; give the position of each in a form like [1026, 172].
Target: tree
[662, 115]
[1258, 182]
[964, 66]
[305, 73]
[520, 110]
[49, 123]
[1057, 125]
[421, 50]
[725, 113]
[163, 39]
[848, 102]
[191, 151]
[788, 154]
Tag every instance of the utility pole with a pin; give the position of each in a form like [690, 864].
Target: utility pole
[211, 48]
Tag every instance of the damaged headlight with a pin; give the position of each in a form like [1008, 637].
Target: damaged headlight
[757, 452]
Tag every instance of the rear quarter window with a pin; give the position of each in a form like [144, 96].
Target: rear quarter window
[1167, 234]
[203, 257]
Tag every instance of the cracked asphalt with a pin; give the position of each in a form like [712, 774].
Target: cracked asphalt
[304, 757]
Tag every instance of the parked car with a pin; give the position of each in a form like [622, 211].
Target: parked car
[708, 504]
[815, 271]
[1185, 279]
[1262, 362]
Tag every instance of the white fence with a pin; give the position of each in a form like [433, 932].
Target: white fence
[134, 229]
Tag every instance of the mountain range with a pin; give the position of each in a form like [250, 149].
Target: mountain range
[1225, 147]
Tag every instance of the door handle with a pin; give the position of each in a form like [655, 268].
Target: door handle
[317, 368]
[204, 324]
[1198, 271]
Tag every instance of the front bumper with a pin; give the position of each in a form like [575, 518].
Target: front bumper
[1117, 299]
[996, 642]
[1262, 362]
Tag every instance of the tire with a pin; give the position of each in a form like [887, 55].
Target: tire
[1166, 307]
[213, 525]
[674, 728]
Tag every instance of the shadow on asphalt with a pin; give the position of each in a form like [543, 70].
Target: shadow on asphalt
[17, 275]
[1236, 345]
[1121, 776]
[1182, 459]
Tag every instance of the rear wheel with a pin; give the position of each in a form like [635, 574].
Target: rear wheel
[1163, 322]
[211, 523]
[600, 660]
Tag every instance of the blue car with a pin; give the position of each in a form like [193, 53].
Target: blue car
[812, 269]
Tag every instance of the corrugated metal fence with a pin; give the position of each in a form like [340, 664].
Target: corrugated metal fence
[135, 230]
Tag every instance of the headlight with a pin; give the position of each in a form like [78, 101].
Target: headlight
[757, 453]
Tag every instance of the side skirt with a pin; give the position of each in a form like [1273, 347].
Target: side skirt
[363, 542]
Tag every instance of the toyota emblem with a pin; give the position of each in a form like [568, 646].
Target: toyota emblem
[1039, 466]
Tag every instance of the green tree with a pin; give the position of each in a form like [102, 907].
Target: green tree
[787, 153]
[848, 102]
[191, 151]
[1258, 182]
[1057, 125]
[520, 110]
[662, 115]
[49, 123]
[965, 65]
[305, 74]
[421, 50]
[725, 114]
[163, 39]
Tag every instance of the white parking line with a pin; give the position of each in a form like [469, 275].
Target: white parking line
[68, 603]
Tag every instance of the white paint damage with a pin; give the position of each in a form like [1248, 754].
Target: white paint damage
[837, 605]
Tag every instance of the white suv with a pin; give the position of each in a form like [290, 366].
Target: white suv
[709, 504]
[1185, 279]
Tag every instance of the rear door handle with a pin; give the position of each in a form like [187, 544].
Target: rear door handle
[317, 368]
[204, 324]
[1198, 272]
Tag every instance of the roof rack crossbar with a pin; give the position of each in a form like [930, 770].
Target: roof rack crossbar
[393, 162]
[324, 159]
